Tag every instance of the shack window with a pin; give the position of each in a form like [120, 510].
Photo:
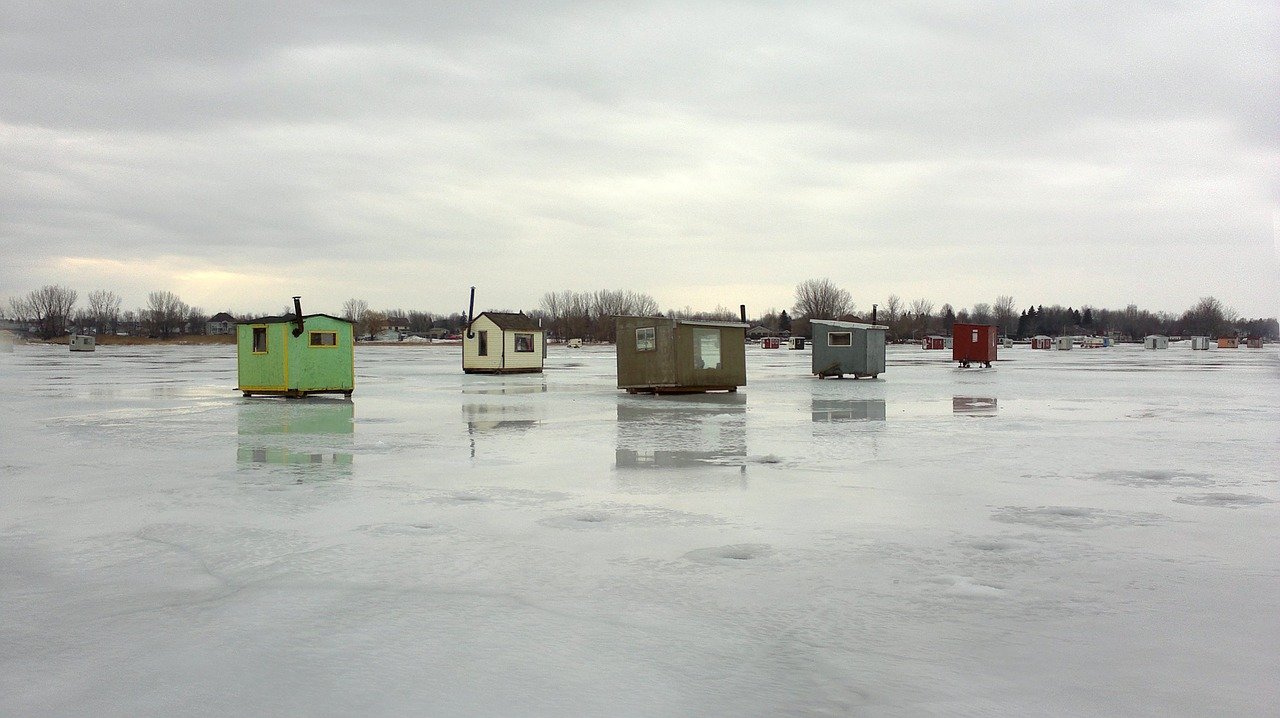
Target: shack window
[645, 339]
[840, 339]
[524, 342]
[259, 340]
[483, 349]
[324, 339]
[706, 348]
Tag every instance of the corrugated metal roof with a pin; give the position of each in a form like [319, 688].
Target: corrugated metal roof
[847, 325]
[708, 323]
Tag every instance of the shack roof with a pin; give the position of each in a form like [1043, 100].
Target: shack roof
[847, 325]
[289, 318]
[507, 321]
[690, 322]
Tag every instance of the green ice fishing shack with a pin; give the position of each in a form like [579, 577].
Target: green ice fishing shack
[295, 354]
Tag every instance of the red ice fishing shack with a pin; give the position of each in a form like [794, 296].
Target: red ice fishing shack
[973, 343]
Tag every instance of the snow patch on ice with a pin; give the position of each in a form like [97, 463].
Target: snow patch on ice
[1226, 501]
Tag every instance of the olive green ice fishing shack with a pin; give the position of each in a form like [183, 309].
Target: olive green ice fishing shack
[295, 355]
[661, 355]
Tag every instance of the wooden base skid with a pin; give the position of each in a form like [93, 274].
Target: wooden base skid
[679, 389]
[502, 371]
[296, 394]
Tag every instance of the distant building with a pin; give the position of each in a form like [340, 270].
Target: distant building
[1228, 343]
[1155, 341]
[759, 332]
[1063, 343]
[1041, 341]
[933, 341]
[1200, 343]
[220, 323]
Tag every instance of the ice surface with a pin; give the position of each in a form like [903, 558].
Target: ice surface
[1082, 533]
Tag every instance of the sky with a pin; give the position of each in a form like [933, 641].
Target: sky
[708, 154]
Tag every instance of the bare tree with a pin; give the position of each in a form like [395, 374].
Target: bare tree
[921, 315]
[104, 308]
[981, 313]
[197, 320]
[165, 314]
[49, 307]
[1208, 317]
[1006, 314]
[357, 312]
[822, 299]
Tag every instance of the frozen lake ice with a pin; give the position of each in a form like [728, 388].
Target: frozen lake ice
[1069, 533]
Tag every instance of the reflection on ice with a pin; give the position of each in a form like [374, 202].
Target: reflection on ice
[507, 389]
[847, 410]
[697, 431]
[974, 405]
[484, 417]
[307, 433]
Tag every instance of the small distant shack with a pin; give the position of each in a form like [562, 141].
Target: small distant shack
[1063, 343]
[1041, 341]
[1254, 343]
[503, 343]
[771, 343]
[852, 348]
[1228, 343]
[1200, 343]
[795, 343]
[661, 355]
[81, 343]
[1155, 341]
[933, 341]
[295, 355]
[974, 343]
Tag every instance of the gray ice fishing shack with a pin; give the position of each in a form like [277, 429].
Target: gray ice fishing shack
[841, 348]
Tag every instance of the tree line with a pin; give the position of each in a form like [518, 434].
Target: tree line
[53, 311]
[822, 299]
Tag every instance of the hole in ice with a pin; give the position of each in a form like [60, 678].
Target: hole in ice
[730, 554]
[1067, 511]
[1229, 501]
[768, 459]
[468, 498]
[593, 517]
[992, 545]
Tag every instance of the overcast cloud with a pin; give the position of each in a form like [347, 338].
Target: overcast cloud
[713, 153]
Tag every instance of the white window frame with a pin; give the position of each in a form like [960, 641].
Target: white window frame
[833, 339]
[646, 339]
